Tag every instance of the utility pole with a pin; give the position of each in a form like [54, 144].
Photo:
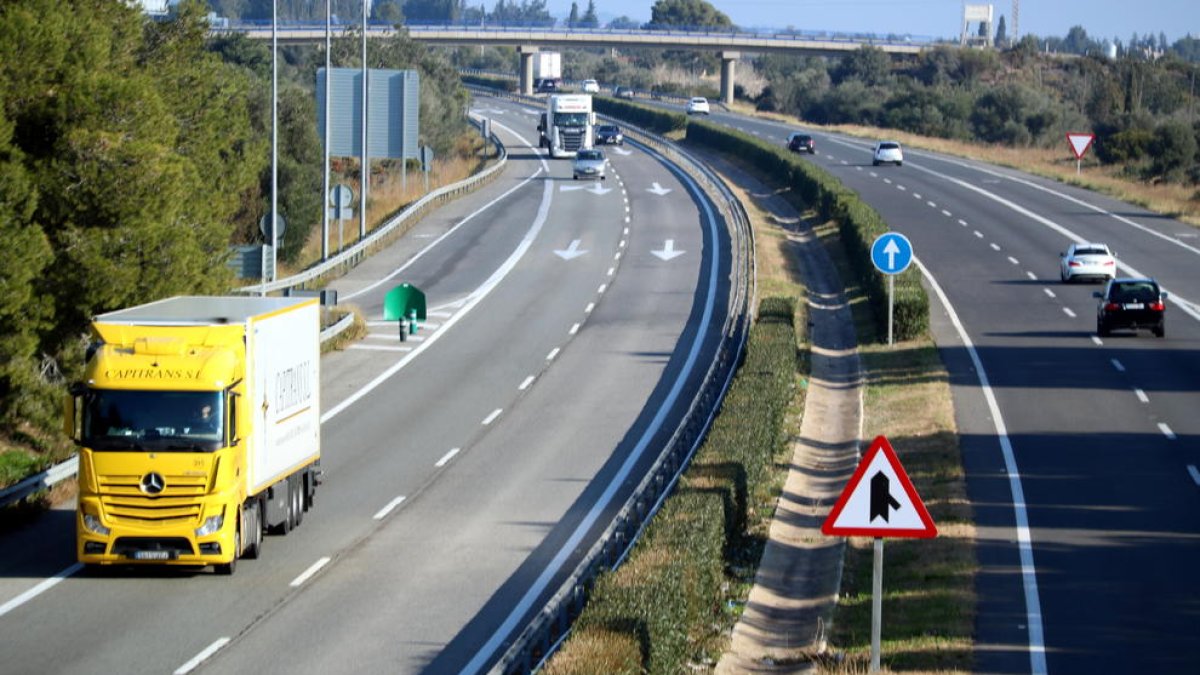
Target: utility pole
[1016, 28]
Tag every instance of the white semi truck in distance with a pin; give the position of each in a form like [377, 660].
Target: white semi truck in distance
[568, 125]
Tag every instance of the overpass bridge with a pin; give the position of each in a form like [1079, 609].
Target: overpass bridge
[729, 44]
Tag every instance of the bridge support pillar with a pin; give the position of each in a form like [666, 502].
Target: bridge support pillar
[728, 61]
[526, 79]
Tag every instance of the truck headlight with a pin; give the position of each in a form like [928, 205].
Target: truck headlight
[211, 524]
[93, 523]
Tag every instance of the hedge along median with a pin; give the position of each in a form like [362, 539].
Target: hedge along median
[669, 606]
[859, 224]
[651, 119]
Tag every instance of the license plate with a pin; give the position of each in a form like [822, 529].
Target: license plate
[1135, 305]
[151, 555]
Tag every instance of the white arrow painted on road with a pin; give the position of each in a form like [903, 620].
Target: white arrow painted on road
[658, 189]
[668, 251]
[597, 190]
[891, 249]
[571, 252]
[623, 151]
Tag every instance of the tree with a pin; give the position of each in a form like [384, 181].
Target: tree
[1173, 150]
[1001, 31]
[624, 23]
[429, 10]
[1077, 41]
[590, 20]
[687, 13]
[573, 18]
[871, 65]
[387, 11]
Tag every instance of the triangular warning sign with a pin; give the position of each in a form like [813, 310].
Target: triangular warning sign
[1080, 143]
[879, 500]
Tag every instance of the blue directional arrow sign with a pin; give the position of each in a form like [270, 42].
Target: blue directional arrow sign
[891, 253]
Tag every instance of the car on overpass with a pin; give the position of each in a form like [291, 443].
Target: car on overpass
[623, 92]
[697, 105]
[1131, 304]
[591, 87]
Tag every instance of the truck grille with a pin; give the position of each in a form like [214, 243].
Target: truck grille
[572, 141]
[177, 504]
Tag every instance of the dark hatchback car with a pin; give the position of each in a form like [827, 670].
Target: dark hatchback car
[1131, 304]
[609, 134]
[802, 143]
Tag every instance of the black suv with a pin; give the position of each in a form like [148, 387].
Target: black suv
[802, 143]
[609, 134]
[1132, 304]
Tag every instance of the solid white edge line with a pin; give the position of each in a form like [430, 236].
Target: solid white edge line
[1033, 605]
[525, 384]
[383, 513]
[1195, 473]
[447, 457]
[521, 607]
[42, 587]
[202, 656]
[492, 417]
[307, 574]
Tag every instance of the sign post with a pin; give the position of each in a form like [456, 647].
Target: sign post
[340, 197]
[873, 508]
[1080, 143]
[891, 253]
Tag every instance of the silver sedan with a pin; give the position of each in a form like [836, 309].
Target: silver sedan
[589, 164]
[1087, 261]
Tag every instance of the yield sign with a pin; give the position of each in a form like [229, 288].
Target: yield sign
[1080, 143]
[879, 500]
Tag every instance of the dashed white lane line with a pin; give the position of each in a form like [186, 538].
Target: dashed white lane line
[962, 222]
[589, 308]
[1068, 312]
[553, 353]
[492, 418]
[995, 246]
[1031, 275]
[1097, 340]
[1013, 260]
[383, 513]
[574, 330]
[874, 175]
[447, 457]
[978, 234]
[1141, 395]
[1049, 292]
[931, 205]
[1166, 430]
[307, 574]
[200, 658]
[525, 383]
[947, 213]
[917, 195]
[1195, 473]
[603, 287]
[611, 270]
[1118, 365]
[889, 182]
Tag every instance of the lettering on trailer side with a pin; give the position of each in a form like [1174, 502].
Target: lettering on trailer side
[293, 386]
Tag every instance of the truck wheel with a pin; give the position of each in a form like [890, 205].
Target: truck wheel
[255, 528]
[298, 502]
[289, 521]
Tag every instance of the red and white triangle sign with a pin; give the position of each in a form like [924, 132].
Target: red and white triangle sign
[1080, 143]
[879, 500]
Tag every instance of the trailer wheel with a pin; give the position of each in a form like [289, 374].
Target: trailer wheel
[254, 522]
[298, 502]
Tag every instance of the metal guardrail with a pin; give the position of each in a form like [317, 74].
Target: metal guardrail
[381, 235]
[348, 258]
[546, 631]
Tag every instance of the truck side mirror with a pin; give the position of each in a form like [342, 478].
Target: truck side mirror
[232, 422]
[70, 405]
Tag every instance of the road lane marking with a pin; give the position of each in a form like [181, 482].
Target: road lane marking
[962, 222]
[307, 574]
[1033, 604]
[1097, 340]
[574, 330]
[1141, 395]
[42, 587]
[492, 417]
[1195, 473]
[603, 287]
[1118, 365]
[1068, 312]
[525, 383]
[200, 658]
[1013, 260]
[589, 308]
[553, 353]
[947, 213]
[382, 513]
[447, 457]
[1166, 431]
[1031, 275]
[1049, 292]
[995, 246]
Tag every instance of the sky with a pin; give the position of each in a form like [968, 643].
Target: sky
[936, 18]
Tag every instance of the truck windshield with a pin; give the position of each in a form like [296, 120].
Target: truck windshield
[578, 119]
[163, 421]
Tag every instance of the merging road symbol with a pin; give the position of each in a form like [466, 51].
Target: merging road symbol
[658, 189]
[571, 251]
[881, 499]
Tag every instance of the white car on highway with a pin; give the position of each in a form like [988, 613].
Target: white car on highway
[591, 87]
[697, 106]
[1087, 261]
[888, 152]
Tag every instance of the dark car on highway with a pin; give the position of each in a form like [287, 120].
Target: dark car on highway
[1131, 304]
[802, 143]
[609, 134]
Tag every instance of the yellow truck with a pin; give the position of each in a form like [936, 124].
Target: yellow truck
[199, 426]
